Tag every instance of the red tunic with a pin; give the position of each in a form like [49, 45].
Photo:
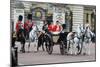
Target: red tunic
[54, 28]
[19, 24]
[28, 25]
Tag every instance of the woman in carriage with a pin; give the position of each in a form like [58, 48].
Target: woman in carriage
[55, 28]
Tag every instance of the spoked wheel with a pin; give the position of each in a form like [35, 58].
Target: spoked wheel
[49, 45]
[49, 49]
[62, 48]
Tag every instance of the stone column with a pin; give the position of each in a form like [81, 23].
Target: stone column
[78, 13]
[89, 19]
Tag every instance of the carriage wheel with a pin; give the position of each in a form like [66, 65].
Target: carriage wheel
[50, 49]
[49, 46]
[62, 48]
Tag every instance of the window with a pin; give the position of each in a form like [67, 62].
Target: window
[87, 21]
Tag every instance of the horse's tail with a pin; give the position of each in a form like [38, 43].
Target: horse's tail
[29, 45]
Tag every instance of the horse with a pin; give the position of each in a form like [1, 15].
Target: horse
[33, 37]
[41, 40]
[87, 40]
[70, 42]
[75, 40]
[20, 37]
[36, 36]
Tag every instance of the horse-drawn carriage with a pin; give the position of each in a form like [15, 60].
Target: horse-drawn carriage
[55, 37]
[70, 42]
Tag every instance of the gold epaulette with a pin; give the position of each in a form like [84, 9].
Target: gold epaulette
[14, 34]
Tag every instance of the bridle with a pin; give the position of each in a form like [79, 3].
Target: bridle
[81, 33]
[86, 31]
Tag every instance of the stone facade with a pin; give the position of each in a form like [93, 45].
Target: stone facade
[78, 12]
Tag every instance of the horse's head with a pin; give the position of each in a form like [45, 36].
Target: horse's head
[88, 32]
[34, 27]
[80, 31]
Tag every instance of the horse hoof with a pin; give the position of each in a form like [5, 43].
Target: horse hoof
[78, 53]
[23, 51]
[28, 51]
[67, 54]
[84, 53]
[75, 54]
[20, 50]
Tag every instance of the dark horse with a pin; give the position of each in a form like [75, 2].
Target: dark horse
[21, 38]
[41, 41]
[44, 38]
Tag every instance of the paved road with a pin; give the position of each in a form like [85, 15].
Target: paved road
[42, 57]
